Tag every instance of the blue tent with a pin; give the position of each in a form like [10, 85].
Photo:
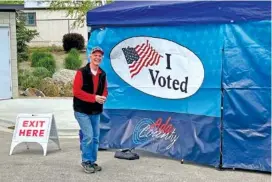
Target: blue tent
[139, 13]
[188, 80]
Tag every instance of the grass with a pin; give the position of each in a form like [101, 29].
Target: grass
[46, 49]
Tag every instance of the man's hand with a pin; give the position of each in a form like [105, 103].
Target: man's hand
[100, 99]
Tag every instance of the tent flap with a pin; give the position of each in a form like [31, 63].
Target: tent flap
[247, 96]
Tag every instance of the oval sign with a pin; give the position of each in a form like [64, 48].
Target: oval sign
[158, 67]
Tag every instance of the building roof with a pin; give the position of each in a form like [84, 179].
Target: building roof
[143, 13]
[11, 7]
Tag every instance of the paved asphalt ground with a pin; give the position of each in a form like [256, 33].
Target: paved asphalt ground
[63, 165]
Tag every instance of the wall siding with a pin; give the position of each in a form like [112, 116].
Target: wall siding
[52, 25]
[8, 18]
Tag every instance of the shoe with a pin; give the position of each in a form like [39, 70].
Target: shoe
[88, 168]
[126, 154]
[97, 167]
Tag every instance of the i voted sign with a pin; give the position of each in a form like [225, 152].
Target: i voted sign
[158, 67]
[38, 128]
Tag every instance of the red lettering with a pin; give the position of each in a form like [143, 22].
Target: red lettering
[25, 123]
[22, 133]
[31, 124]
[164, 126]
[41, 133]
[35, 132]
[28, 132]
[42, 122]
[169, 129]
[157, 124]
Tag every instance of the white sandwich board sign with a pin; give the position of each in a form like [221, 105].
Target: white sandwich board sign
[39, 128]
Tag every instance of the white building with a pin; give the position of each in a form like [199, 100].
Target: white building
[51, 25]
[8, 52]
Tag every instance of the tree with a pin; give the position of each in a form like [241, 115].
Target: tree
[77, 9]
[23, 36]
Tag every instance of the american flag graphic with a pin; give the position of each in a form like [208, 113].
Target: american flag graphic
[141, 56]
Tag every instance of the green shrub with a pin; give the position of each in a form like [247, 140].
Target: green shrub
[73, 40]
[31, 82]
[74, 52]
[38, 55]
[73, 60]
[27, 80]
[22, 56]
[41, 72]
[49, 63]
[22, 75]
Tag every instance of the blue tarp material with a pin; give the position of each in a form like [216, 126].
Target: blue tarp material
[247, 96]
[195, 119]
[233, 42]
[130, 13]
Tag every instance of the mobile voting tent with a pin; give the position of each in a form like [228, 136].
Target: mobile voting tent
[188, 80]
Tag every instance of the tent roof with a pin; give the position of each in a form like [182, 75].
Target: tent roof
[139, 13]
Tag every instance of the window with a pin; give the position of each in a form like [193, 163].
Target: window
[30, 19]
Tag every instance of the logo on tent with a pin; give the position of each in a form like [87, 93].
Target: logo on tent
[158, 67]
[143, 55]
[147, 131]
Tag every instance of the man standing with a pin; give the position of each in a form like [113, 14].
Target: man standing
[90, 92]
